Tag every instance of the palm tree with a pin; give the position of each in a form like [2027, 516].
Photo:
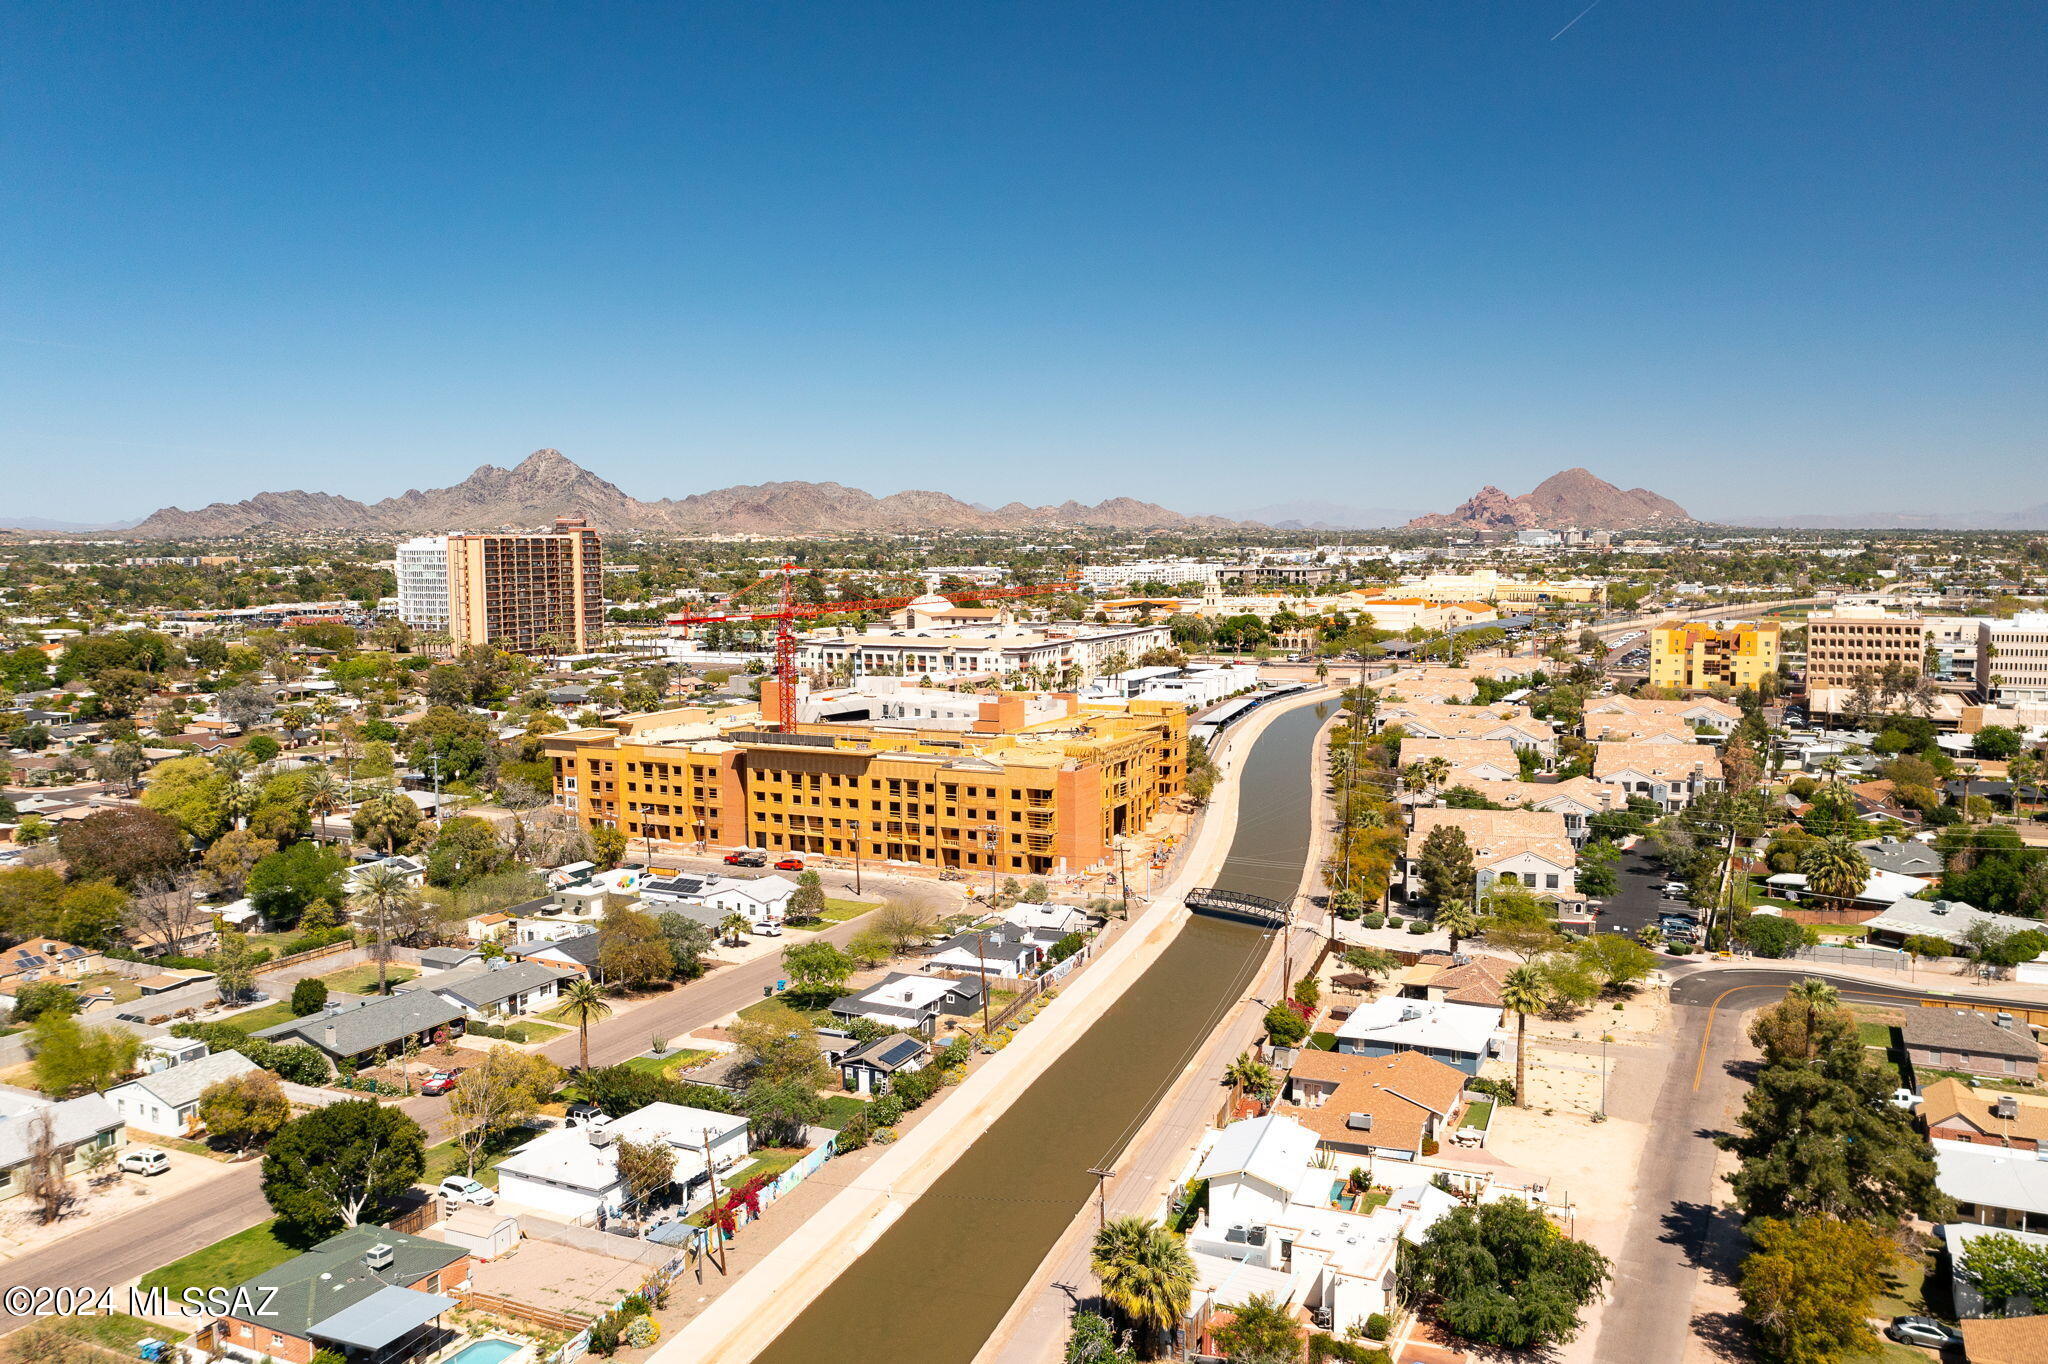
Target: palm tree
[1835, 870]
[1522, 994]
[1817, 997]
[323, 795]
[1146, 1273]
[734, 926]
[583, 1005]
[1458, 919]
[382, 889]
[1249, 1075]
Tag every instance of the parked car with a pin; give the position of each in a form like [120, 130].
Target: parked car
[1904, 1098]
[768, 930]
[744, 858]
[144, 1162]
[463, 1189]
[790, 864]
[1674, 890]
[440, 1082]
[1923, 1331]
[587, 1113]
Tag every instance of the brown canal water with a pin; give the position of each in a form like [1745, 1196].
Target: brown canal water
[934, 1286]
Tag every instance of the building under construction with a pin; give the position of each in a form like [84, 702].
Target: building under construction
[1019, 782]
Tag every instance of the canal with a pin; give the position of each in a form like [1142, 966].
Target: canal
[934, 1286]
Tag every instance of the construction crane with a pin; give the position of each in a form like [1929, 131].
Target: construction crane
[791, 609]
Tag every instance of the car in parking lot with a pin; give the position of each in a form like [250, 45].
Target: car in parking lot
[1923, 1331]
[1674, 890]
[144, 1162]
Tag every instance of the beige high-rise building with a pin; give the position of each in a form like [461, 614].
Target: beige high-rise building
[527, 591]
[1854, 640]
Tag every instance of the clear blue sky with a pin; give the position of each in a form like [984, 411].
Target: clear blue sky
[1756, 256]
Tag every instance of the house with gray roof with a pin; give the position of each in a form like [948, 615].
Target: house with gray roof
[869, 1066]
[359, 1028]
[166, 1102]
[1902, 857]
[1970, 1041]
[366, 1293]
[77, 1126]
[504, 988]
[577, 952]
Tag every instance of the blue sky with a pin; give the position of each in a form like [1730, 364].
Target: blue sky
[1755, 256]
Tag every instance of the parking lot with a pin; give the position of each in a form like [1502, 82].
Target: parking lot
[1638, 898]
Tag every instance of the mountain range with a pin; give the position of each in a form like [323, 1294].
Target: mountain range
[1575, 497]
[547, 484]
[2030, 518]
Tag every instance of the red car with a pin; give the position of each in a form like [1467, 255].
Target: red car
[790, 864]
[745, 859]
[440, 1082]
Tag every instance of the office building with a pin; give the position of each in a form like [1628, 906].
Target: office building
[527, 591]
[2013, 658]
[1853, 640]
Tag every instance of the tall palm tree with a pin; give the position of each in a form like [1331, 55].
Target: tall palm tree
[381, 890]
[1458, 919]
[1817, 997]
[583, 1005]
[1522, 994]
[1835, 870]
[323, 795]
[1146, 1272]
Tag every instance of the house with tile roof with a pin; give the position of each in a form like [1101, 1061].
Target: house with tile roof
[1394, 1105]
[1671, 775]
[1511, 724]
[1528, 848]
[1956, 1112]
[1578, 799]
[1697, 710]
[1456, 980]
[1470, 760]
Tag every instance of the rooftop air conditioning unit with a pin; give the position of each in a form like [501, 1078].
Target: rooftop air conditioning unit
[378, 1256]
[1359, 1122]
[599, 1136]
[2007, 1107]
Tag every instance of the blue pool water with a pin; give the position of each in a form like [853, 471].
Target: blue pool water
[484, 1352]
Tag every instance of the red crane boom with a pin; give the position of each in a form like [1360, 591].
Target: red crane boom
[791, 609]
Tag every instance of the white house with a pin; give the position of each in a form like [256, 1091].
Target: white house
[573, 1172]
[1057, 920]
[76, 1126]
[504, 988]
[1459, 1035]
[1002, 951]
[166, 1102]
[762, 899]
[912, 1002]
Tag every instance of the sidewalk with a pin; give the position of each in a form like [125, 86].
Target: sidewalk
[755, 1310]
[1948, 977]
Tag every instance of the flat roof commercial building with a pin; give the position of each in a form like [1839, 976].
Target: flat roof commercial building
[1856, 640]
[1694, 657]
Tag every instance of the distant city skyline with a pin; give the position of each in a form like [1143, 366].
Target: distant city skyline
[1780, 260]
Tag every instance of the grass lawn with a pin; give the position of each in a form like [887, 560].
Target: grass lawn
[1846, 931]
[224, 1263]
[526, 1030]
[839, 911]
[1927, 1075]
[450, 1159]
[116, 1331]
[772, 1161]
[839, 1110]
[662, 1065]
[269, 1016]
[781, 1012]
[362, 980]
[1878, 1036]
[1478, 1113]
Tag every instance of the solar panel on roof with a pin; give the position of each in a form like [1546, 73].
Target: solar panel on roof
[32, 961]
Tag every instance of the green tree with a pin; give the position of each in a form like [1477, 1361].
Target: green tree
[1807, 1023]
[1285, 1027]
[632, 949]
[817, 970]
[1774, 935]
[341, 1166]
[1502, 1274]
[465, 849]
[2001, 1266]
[244, 1110]
[1835, 871]
[779, 1053]
[283, 884]
[309, 996]
[809, 900]
[1523, 992]
[1260, 1328]
[1249, 1075]
[1457, 918]
[1618, 960]
[39, 997]
[1146, 1273]
[384, 892]
[1810, 1285]
[1445, 865]
[688, 940]
[583, 1006]
[192, 793]
[779, 1110]
[1997, 741]
[607, 845]
[124, 845]
[71, 1058]
[505, 1090]
[1092, 1340]
[387, 822]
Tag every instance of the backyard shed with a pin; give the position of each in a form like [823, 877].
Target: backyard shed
[483, 1233]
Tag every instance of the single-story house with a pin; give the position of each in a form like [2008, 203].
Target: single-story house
[915, 1003]
[492, 927]
[166, 1102]
[504, 988]
[1388, 1105]
[76, 1125]
[867, 1067]
[1056, 920]
[1968, 1300]
[1459, 1035]
[1881, 890]
[763, 899]
[46, 959]
[1970, 1041]
[1002, 951]
[1953, 1111]
[573, 1172]
[1949, 920]
[1994, 1188]
[365, 1293]
[448, 958]
[1903, 856]
[411, 868]
[576, 952]
[358, 1028]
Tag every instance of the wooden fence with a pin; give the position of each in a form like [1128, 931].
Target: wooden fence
[522, 1311]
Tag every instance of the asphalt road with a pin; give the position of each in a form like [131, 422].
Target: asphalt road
[1678, 1229]
[111, 1251]
[1637, 900]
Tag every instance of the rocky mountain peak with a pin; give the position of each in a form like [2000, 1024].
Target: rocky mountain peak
[1571, 497]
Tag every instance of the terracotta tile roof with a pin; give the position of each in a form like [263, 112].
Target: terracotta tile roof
[1399, 1091]
[1478, 981]
[1948, 1102]
[2006, 1340]
[1496, 835]
[1671, 761]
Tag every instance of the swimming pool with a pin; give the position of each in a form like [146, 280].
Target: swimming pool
[485, 1352]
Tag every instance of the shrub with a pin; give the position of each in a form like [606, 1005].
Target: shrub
[1394, 921]
[886, 1111]
[1374, 920]
[1323, 1348]
[1417, 926]
[1284, 1026]
[1377, 1326]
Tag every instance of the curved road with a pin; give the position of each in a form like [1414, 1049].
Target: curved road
[1677, 1228]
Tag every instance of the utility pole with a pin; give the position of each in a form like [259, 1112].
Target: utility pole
[1123, 882]
[717, 1232]
[855, 825]
[1102, 1176]
[981, 964]
[989, 843]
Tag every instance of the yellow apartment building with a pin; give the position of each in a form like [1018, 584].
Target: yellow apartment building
[1695, 657]
[527, 591]
[1024, 798]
